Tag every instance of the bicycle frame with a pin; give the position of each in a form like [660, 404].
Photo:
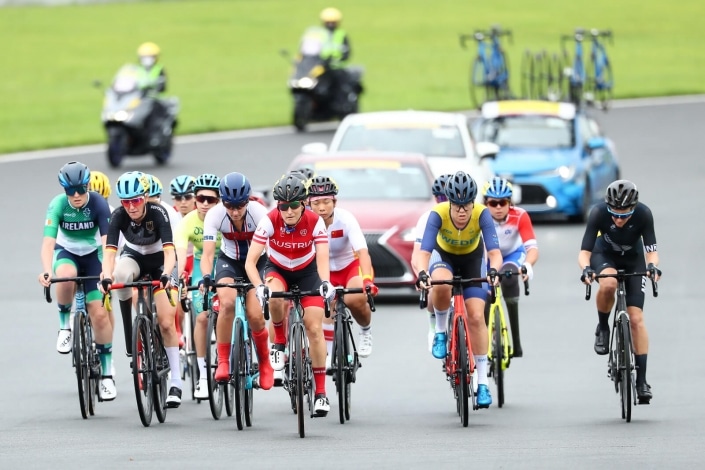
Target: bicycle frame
[577, 73]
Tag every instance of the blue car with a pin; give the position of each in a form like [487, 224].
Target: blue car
[555, 155]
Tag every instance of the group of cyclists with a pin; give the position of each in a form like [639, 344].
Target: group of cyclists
[216, 230]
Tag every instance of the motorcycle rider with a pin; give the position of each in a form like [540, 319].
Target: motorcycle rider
[336, 53]
[153, 83]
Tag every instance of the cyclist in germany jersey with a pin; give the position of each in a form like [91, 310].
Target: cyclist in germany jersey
[627, 236]
[74, 236]
[350, 263]
[236, 219]
[455, 233]
[298, 254]
[517, 243]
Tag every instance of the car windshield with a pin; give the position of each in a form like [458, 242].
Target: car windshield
[528, 131]
[437, 141]
[378, 180]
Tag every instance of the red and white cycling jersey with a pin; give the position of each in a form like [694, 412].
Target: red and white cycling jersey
[514, 231]
[345, 238]
[291, 249]
[235, 243]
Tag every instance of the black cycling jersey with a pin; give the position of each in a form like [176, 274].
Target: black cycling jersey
[630, 240]
[150, 235]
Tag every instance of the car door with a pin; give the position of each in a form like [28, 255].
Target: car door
[596, 160]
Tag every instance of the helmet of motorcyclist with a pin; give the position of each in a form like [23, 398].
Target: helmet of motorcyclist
[182, 185]
[439, 185]
[331, 17]
[622, 194]
[461, 189]
[497, 188]
[132, 184]
[207, 181]
[155, 186]
[234, 188]
[100, 183]
[290, 188]
[74, 174]
[148, 54]
[322, 186]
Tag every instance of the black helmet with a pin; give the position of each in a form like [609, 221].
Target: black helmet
[323, 186]
[439, 186]
[306, 171]
[461, 189]
[622, 194]
[290, 188]
[74, 174]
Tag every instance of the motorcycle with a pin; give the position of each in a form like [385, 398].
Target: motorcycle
[130, 121]
[312, 84]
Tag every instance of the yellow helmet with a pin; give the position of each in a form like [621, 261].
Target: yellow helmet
[331, 15]
[148, 49]
[100, 183]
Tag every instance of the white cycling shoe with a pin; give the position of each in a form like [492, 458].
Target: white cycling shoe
[107, 389]
[201, 391]
[364, 344]
[63, 342]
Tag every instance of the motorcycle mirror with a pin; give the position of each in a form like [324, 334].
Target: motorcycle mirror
[284, 53]
[97, 84]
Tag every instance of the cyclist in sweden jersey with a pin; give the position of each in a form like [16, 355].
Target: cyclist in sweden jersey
[74, 236]
[626, 240]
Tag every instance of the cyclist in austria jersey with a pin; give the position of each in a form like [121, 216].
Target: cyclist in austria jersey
[74, 236]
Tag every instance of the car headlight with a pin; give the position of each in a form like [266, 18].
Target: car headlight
[408, 235]
[566, 172]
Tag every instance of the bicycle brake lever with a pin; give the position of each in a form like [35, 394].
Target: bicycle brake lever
[423, 299]
[588, 291]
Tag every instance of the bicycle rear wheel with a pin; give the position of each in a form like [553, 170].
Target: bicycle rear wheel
[498, 356]
[94, 367]
[215, 391]
[251, 371]
[601, 82]
[462, 373]
[238, 371]
[541, 75]
[161, 375]
[299, 375]
[478, 83]
[625, 368]
[341, 378]
[527, 75]
[191, 361]
[80, 362]
[554, 85]
[142, 364]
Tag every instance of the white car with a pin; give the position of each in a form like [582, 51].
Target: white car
[444, 138]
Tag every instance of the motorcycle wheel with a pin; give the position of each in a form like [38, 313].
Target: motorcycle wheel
[163, 153]
[303, 105]
[117, 145]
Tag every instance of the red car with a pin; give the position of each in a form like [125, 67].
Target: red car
[387, 193]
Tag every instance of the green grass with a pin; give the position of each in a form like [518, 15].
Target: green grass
[223, 62]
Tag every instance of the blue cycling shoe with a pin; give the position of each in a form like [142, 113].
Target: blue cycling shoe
[484, 399]
[439, 346]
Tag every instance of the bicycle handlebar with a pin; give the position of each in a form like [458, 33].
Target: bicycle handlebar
[137, 284]
[480, 35]
[341, 291]
[588, 287]
[238, 284]
[47, 290]
[289, 295]
[423, 297]
[509, 274]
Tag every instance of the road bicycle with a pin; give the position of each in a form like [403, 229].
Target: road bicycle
[345, 360]
[575, 71]
[489, 70]
[620, 362]
[459, 362]
[541, 76]
[501, 348]
[217, 392]
[150, 365]
[600, 81]
[298, 374]
[86, 361]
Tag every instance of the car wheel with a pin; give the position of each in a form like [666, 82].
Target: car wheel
[585, 205]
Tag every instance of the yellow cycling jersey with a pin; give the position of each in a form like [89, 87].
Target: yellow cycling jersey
[190, 230]
[451, 239]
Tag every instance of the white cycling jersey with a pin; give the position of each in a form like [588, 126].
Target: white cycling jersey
[235, 244]
[345, 238]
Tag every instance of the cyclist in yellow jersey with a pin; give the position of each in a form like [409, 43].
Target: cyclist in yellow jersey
[454, 242]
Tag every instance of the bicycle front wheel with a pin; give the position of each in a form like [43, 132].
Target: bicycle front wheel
[625, 368]
[238, 371]
[478, 83]
[527, 75]
[497, 356]
[161, 371]
[299, 374]
[142, 364]
[341, 379]
[215, 391]
[251, 372]
[462, 370]
[80, 362]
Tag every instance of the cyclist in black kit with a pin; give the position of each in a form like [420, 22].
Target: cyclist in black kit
[626, 237]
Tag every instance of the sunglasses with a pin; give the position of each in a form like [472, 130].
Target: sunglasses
[441, 198]
[232, 207]
[498, 203]
[126, 203]
[72, 190]
[618, 215]
[464, 208]
[209, 199]
[289, 205]
[181, 197]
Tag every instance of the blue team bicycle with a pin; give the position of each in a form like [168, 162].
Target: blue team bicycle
[489, 71]
[594, 83]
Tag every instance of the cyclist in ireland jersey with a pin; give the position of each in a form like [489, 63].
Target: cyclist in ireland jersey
[517, 243]
[350, 263]
[455, 233]
[236, 218]
[148, 250]
[74, 236]
[297, 245]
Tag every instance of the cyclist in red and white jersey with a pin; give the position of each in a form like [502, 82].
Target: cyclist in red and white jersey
[350, 263]
[298, 254]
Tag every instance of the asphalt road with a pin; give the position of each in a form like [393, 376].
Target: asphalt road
[561, 410]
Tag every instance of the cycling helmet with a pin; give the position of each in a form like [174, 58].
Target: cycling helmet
[155, 186]
[234, 188]
[290, 188]
[182, 185]
[461, 189]
[74, 174]
[622, 194]
[208, 181]
[100, 183]
[307, 173]
[438, 188]
[498, 188]
[323, 186]
[132, 184]
[331, 15]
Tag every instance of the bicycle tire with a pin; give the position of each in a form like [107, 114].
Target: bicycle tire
[498, 356]
[601, 86]
[351, 368]
[478, 83]
[215, 391]
[238, 371]
[94, 368]
[502, 77]
[229, 397]
[527, 71]
[191, 361]
[298, 352]
[251, 372]
[80, 362]
[340, 362]
[161, 371]
[554, 88]
[142, 361]
[462, 373]
[625, 390]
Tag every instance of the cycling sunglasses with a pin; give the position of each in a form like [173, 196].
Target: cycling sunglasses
[136, 201]
[181, 197]
[618, 215]
[72, 190]
[209, 199]
[289, 205]
[232, 207]
[498, 203]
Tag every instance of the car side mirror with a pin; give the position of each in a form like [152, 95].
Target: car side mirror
[314, 148]
[487, 149]
[596, 143]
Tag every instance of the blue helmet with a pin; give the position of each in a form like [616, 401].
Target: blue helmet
[439, 186]
[74, 174]
[461, 189]
[182, 185]
[497, 188]
[207, 181]
[235, 188]
[132, 184]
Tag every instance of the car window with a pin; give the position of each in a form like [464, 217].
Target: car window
[527, 131]
[586, 132]
[440, 141]
[383, 180]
